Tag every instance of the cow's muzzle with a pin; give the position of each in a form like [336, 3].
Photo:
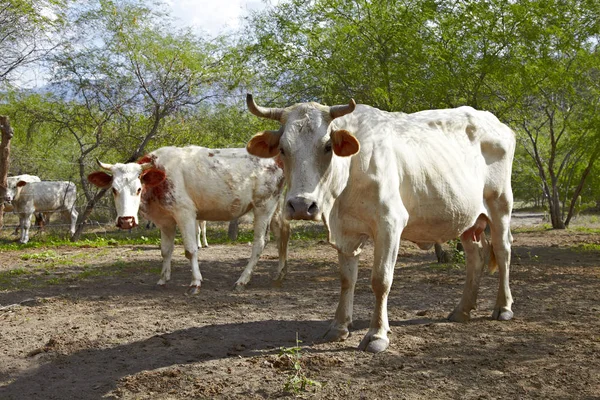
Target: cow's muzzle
[302, 208]
[126, 222]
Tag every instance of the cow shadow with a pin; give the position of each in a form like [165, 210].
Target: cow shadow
[93, 373]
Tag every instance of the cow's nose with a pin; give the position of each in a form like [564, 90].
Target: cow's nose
[302, 208]
[126, 222]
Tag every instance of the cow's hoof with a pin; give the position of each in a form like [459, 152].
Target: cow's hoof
[336, 334]
[459, 316]
[239, 287]
[374, 344]
[161, 286]
[500, 315]
[193, 290]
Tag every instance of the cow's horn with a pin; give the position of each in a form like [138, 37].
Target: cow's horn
[105, 166]
[340, 111]
[263, 112]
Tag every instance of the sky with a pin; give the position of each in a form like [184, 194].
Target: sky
[215, 16]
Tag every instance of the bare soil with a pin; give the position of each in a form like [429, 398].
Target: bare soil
[89, 323]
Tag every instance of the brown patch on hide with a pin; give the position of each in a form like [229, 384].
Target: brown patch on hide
[211, 154]
[148, 158]
[161, 193]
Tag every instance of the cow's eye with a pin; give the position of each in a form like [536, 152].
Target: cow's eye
[114, 191]
[328, 147]
[281, 151]
[139, 191]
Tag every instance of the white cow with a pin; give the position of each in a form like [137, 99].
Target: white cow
[43, 197]
[11, 186]
[427, 177]
[176, 186]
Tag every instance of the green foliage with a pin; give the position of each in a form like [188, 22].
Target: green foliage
[130, 80]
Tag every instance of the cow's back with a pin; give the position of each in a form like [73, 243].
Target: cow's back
[45, 196]
[221, 184]
[447, 162]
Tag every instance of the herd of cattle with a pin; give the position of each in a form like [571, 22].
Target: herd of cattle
[427, 177]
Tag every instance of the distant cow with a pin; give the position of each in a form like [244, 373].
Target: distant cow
[43, 197]
[11, 186]
[176, 186]
[427, 177]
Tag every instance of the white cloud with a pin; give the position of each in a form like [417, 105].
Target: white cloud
[214, 17]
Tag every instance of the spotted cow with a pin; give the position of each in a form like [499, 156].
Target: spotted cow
[177, 186]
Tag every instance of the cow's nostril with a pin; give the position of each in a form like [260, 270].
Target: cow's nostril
[290, 206]
[313, 208]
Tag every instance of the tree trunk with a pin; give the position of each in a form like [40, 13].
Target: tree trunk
[86, 214]
[555, 211]
[7, 134]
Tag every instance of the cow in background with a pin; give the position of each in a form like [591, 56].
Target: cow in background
[427, 177]
[11, 186]
[176, 186]
[43, 197]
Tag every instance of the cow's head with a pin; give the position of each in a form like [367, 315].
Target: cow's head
[13, 188]
[312, 151]
[126, 181]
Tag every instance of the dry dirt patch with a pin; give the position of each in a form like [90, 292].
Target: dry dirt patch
[97, 327]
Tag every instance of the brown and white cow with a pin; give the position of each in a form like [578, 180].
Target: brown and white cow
[177, 186]
[43, 197]
[427, 177]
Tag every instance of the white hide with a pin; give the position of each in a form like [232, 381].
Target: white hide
[427, 177]
[206, 185]
[44, 197]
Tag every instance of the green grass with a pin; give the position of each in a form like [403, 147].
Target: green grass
[217, 234]
[585, 247]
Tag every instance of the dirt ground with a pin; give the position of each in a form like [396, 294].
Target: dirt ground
[89, 323]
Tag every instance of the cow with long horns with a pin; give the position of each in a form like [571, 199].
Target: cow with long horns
[176, 186]
[427, 177]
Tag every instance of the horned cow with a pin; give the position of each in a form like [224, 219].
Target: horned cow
[426, 177]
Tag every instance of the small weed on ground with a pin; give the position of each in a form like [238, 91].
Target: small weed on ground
[297, 381]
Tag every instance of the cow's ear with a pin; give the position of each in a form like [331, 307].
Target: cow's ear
[344, 143]
[100, 179]
[153, 177]
[21, 183]
[264, 144]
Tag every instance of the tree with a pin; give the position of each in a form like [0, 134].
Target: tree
[556, 97]
[28, 33]
[6, 137]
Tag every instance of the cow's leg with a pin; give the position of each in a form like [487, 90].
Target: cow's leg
[474, 256]
[339, 329]
[281, 229]
[387, 243]
[233, 229]
[24, 224]
[189, 229]
[261, 221]
[500, 211]
[167, 243]
[72, 215]
[202, 235]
